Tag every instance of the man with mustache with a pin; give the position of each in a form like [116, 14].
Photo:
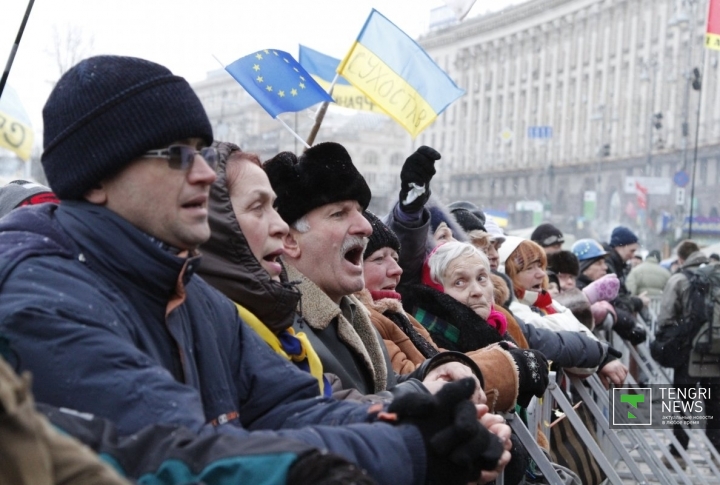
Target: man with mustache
[321, 196]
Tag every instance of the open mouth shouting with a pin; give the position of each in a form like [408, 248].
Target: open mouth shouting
[271, 262]
[352, 250]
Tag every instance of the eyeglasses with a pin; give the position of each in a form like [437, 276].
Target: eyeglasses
[181, 157]
[554, 239]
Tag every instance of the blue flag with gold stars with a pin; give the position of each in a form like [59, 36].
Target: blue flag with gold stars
[277, 81]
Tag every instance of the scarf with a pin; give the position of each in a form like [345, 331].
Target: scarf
[541, 301]
[295, 348]
[497, 320]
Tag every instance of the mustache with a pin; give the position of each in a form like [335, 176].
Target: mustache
[351, 242]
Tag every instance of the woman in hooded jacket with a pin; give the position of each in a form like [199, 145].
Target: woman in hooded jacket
[525, 263]
[241, 258]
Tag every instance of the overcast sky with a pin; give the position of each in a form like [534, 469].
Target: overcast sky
[184, 34]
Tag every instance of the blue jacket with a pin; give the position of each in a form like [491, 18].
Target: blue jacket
[112, 324]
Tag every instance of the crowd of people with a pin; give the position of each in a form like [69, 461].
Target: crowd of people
[192, 314]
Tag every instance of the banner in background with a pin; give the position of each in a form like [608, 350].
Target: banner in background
[712, 33]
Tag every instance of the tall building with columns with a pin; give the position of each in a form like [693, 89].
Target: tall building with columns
[580, 107]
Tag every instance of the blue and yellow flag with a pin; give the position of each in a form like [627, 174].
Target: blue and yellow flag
[16, 134]
[397, 74]
[277, 81]
[322, 68]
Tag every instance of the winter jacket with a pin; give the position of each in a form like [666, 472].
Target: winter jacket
[561, 320]
[413, 235]
[113, 324]
[647, 277]
[674, 297]
[499, 371]
[352, 350]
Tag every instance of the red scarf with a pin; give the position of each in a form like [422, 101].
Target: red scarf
[497, 320]
[380, 294]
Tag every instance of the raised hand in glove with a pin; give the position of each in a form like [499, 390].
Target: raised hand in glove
[533, 373]
[318, 468]
[458, 447]
[415, 176]
[628, 328]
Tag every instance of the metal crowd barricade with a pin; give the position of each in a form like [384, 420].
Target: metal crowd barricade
[635, 436]
[696, 436]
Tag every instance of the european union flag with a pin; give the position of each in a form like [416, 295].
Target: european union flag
[277, 81]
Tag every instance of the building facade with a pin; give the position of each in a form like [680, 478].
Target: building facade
[581, 107]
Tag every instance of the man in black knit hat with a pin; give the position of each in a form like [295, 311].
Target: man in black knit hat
[98, 298]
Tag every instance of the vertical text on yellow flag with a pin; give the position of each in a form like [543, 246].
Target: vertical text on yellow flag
[15, 136]
[391, 92]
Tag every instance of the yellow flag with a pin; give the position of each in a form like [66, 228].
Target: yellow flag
[16, 134]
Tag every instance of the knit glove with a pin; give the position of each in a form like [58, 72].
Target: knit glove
[415, 176]
[603, 289]
[533, 373]
[628, 328]
[600, 310]
[458, 447]
[319, 468]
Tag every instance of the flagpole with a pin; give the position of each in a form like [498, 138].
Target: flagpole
[320, 115]
[293, 133]
[15, 46]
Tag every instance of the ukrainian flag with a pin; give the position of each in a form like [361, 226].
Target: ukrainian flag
[322, 68]
[398, 75]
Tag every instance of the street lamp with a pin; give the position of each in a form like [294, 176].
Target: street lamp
[697, 86]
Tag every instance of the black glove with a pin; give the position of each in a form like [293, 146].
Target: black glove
[458, 447]
[533, 373]
[628, 328]
[318, 468]
[418, 169]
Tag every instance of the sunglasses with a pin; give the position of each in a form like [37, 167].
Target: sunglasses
[181, 157]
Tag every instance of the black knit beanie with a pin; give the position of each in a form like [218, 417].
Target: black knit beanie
[467, 220]
[545, 233]
[563, 262]
[322, 175]
[107, 111]
[382, 236]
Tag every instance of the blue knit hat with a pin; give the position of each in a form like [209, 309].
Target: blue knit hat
[622, 236]
[107, 111]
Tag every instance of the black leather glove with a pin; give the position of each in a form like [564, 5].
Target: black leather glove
[458, 447]
[318, 468]
[418, 169]
[533, 371]
[628, 328]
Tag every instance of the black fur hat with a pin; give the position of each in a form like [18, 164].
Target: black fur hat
[563, 262]
[322, 175]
